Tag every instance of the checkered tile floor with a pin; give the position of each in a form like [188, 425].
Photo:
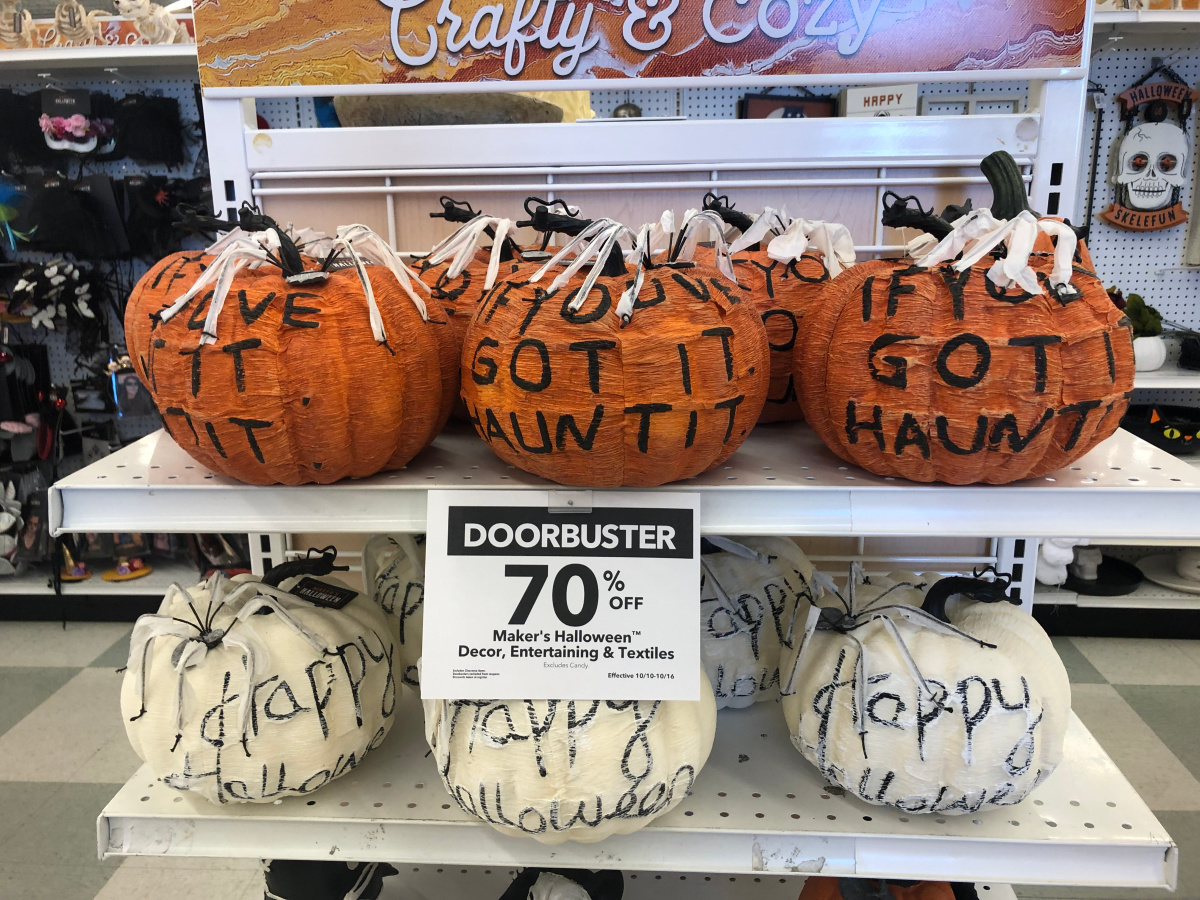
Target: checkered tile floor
[63, 752]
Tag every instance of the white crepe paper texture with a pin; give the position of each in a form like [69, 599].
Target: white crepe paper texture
[570, 770]
[984, 729]
[749, 595]
[320, 681]
[552, 886]
[394, 574]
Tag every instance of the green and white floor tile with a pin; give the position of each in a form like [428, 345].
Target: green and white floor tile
[63, 752]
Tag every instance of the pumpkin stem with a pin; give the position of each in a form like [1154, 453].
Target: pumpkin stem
[250, 218]
[461, 211]
[544, 218]
[723, 208]
[455, 210]
[289, 260]
[1009, 197]
[321, 564]
[896, 214]
[614, 265]
[976, 588]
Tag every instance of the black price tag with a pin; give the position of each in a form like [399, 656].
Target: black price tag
[323, 594]
[64, 104]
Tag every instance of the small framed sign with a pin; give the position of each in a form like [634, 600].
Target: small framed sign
[773, 106]
[522, 601]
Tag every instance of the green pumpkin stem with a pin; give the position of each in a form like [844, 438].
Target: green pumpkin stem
[1009, 196]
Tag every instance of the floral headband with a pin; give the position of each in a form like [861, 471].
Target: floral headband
[78, 133]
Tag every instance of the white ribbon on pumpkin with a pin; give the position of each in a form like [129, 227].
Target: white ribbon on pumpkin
[642, 251]
[661, 235]
[716, 227]
[360, 243]
[1019, 234]
[977, 234]
[259, 247]
[832, 241]
[593, 243]
[768, 220]
[929, 252]
[221, 273]
[463, 243]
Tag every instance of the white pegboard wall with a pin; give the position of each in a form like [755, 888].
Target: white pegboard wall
[1148, 263]
[721, 102]
[695, 103]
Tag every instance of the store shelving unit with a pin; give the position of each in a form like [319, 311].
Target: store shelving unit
[1147, 20]
[121, 56]
[758, 808]
[1169, 378]
[1085, 826]
[759, 812]
[781, 481]
[1147, 596]
[36, 581]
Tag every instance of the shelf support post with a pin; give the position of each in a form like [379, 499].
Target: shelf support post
[267, 551]
[226, 122]
[1056, 172]
[1018, 557]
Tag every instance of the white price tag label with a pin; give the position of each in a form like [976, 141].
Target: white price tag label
[522, 602]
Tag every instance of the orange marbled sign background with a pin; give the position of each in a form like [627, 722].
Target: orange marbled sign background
[250, 43]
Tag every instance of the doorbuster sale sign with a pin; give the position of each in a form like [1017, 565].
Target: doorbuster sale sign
[522, 602]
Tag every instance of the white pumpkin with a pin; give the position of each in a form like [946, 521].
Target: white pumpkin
[578, 770]
[240, 691]
[750, 589]
[394, 574]
[901, 709]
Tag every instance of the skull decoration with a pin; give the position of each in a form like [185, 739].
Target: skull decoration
[1153, 156]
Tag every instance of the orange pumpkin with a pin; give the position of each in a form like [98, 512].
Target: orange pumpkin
[783, 264]
[621, 377]
[990, 369]
[822, 887]
[269, 387]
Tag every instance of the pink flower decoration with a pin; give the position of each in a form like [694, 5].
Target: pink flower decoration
[77, 125]
[46, 124]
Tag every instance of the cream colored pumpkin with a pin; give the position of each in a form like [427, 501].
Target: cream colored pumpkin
[750, 589]
[394, 574]
[908, 712]
[320, 683]
[579, 770]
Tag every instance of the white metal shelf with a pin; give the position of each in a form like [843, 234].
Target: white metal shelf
[1147, 20]
[175, 57]
[1168, 378]
[622, 143]
[35, 581]
[757, 807]
[1147, 596]
[475, 882]
[782, 481]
